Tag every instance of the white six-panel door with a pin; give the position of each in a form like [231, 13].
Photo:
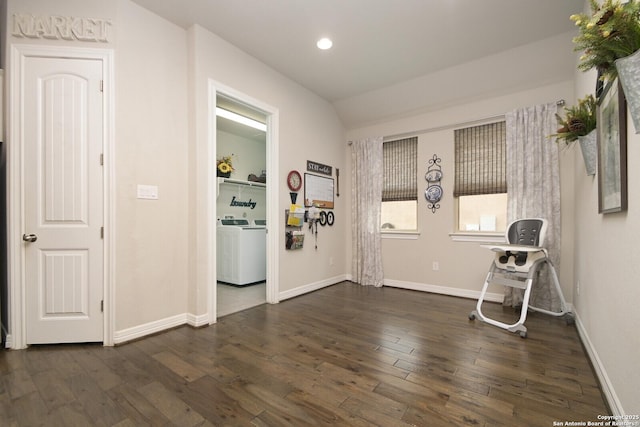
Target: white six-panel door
[63, 200]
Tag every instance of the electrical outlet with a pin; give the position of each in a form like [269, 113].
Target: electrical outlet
[578, 287]
[436, 266]
[330, 260]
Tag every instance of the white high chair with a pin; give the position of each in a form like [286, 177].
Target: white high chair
[516, 264]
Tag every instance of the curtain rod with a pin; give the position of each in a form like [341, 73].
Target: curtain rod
[559, 103]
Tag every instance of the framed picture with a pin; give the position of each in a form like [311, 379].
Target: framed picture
[318, 191]
[612, 149]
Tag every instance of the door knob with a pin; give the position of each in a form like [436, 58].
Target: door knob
[29, 237]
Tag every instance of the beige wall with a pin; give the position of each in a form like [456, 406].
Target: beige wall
[151, 148]
[308, 128]
[409, 262]
[607, 269]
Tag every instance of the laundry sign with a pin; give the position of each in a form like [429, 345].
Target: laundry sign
[242, 204]
[57, 27]
[239, 200]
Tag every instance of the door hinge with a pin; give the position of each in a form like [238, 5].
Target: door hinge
[102, 306]
[102, 232]
[101, 159]
[101, 85]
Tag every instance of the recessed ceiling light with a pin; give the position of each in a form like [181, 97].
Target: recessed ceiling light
[324, 43]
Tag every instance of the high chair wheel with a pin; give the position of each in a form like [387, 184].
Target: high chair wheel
[569, 319]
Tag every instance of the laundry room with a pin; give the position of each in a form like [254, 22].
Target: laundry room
[240, 206]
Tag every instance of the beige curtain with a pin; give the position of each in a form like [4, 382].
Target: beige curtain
[366, 197]
[533, 189]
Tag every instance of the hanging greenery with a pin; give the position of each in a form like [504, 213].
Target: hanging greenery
[611, 32]
[579, 120]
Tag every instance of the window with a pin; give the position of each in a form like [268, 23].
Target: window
[480, 178]
[400, 187]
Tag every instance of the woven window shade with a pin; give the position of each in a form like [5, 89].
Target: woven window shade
[400, 169]
[480, 160]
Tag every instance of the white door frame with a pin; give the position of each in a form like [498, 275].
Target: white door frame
[273, 218]
[16, 338]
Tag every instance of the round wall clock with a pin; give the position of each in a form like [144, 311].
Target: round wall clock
[294, 180]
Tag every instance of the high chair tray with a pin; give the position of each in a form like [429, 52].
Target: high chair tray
[513, 248]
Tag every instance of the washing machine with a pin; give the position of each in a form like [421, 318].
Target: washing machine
[241, 252]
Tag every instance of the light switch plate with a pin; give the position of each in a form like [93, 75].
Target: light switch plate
[149, 192]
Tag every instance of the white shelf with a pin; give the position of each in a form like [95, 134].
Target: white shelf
[240, 182]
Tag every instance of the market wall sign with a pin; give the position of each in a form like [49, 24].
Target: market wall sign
[61, 28]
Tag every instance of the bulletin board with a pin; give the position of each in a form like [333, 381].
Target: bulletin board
[318, 191]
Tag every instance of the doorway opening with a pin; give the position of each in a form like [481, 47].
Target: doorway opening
[241, 214]
[242, 217]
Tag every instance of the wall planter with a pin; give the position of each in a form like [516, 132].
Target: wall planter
[589, 147]
[629, 73]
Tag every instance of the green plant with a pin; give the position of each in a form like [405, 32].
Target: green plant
[611, 32]
[579, 120]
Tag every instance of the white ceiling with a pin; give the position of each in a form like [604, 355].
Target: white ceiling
[377, 43]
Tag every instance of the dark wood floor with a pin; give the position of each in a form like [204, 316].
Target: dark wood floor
[343, 355]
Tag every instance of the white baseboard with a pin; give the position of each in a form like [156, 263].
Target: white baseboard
[444, 290]
[149, 328]
[301, 290]
[202, 320]
[605, 383]
[453, 292]
[197, 320]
